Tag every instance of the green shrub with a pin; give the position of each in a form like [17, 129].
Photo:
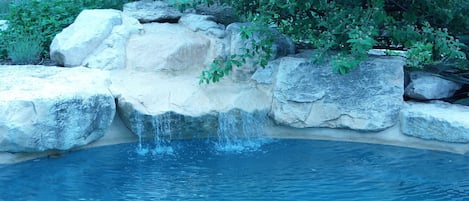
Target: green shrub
[25, 49]
[3, 8]
[47, 18]
[427, 29]
[259, 46]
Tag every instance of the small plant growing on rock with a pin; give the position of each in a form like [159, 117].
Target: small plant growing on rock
[259, 49]
[26, 49]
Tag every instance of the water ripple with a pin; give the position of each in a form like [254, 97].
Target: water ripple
[280, 170]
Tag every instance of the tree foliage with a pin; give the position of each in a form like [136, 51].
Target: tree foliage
[427, 29]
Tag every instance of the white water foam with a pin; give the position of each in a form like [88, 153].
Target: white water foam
[162, 134]
[139, 129]
[240, 133]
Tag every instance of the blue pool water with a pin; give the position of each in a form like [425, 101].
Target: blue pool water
[280, 170]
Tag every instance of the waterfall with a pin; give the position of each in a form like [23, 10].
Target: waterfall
[139, 131]
[161, 125]
[239, 132]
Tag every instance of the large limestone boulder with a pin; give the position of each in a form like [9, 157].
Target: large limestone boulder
[71, 46]
[46, 108]
[100, 44]
[178, 105]
[168, 47]
[111, 53]
[436, 121]
[152, 11]
[427, 86]
[311, 95]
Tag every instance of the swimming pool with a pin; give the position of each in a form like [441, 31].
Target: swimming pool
[280, 170]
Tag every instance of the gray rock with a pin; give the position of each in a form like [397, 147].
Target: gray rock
[385, 52]
[436, 121]
[172, 125]
[282, 46]
[426, 86]
[266, 75]
[152, 11]
[73, 44]
[222, 14]
[47, 108]
[166, 125]
[311, 95]
[203, 23]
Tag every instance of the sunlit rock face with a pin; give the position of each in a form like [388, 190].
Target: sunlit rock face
[310, 95]
[47, 108]
[169, 47]
[96, 39]
[436, 121]
[71, 46]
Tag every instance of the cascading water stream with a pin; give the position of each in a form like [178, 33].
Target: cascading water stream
[237, 133]
[139, 130]
[162, 134]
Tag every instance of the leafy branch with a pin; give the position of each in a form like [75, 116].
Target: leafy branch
[258, 50]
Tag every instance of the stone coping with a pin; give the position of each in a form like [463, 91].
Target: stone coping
[391, 136]
[118, 134]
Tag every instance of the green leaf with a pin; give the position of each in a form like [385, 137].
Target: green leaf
[264, 63]
[342, 70]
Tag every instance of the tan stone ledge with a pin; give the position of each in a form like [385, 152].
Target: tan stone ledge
[391, 136]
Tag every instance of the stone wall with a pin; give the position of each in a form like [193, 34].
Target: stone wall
[144, 68]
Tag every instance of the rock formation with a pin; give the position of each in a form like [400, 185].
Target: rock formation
[436, 121]
[153, 60]
[309, 95]
[45, 108]
[426, 86]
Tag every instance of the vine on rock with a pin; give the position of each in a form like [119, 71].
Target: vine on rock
[258, 49]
